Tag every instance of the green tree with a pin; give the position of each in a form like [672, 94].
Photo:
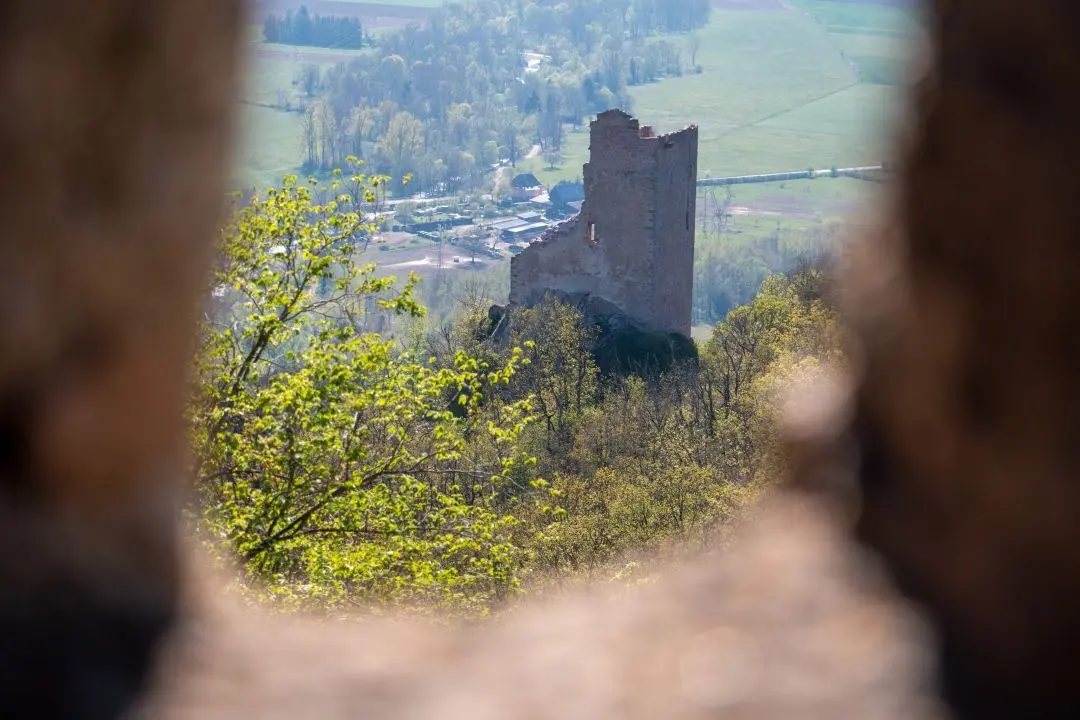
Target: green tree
[403, 139]
[338, 466]
[308, 77]
[489, 153]
[562, 372]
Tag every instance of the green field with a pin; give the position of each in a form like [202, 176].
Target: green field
[815, 200]
[270, 146]
[810, 86]
[331, 54]
[266, 76]
[841, 16]
[270, 139]
[781, 90]
[858, 112]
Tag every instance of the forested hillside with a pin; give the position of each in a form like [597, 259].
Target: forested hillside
[443, 470]
[480, 80]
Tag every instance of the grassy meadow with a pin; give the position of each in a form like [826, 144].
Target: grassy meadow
[270, 146]
[814, 85]
[270, 143]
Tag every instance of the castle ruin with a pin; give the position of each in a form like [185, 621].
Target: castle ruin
[632, 244]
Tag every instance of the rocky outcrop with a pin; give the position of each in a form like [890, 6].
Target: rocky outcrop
[622, 346]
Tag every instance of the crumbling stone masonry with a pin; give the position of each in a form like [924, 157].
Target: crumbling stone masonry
[632, 244]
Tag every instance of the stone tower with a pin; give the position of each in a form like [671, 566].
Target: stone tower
[632, 244]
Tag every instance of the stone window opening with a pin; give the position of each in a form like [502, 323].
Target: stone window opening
[590, 235]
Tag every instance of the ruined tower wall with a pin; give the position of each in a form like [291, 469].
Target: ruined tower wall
[630, 244]
[620, 203]
[563, 260]
[673, 234]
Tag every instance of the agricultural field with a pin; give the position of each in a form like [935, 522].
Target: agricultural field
[270, 137]
[270, 146]
[813, 84]
[797, 202]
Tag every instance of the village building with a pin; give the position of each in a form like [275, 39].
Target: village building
[525, 187]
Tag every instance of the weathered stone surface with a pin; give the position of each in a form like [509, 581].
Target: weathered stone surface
[966, 310]
[632, 244]
[115, 135]
[793, 623]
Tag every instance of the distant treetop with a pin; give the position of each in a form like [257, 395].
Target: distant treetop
[302, 28]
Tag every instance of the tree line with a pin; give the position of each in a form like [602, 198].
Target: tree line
[303, 28]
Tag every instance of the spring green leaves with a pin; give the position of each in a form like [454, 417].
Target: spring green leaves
[338, 467]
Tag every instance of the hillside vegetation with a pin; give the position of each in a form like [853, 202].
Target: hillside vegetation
[368, 443]
[442, 471]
